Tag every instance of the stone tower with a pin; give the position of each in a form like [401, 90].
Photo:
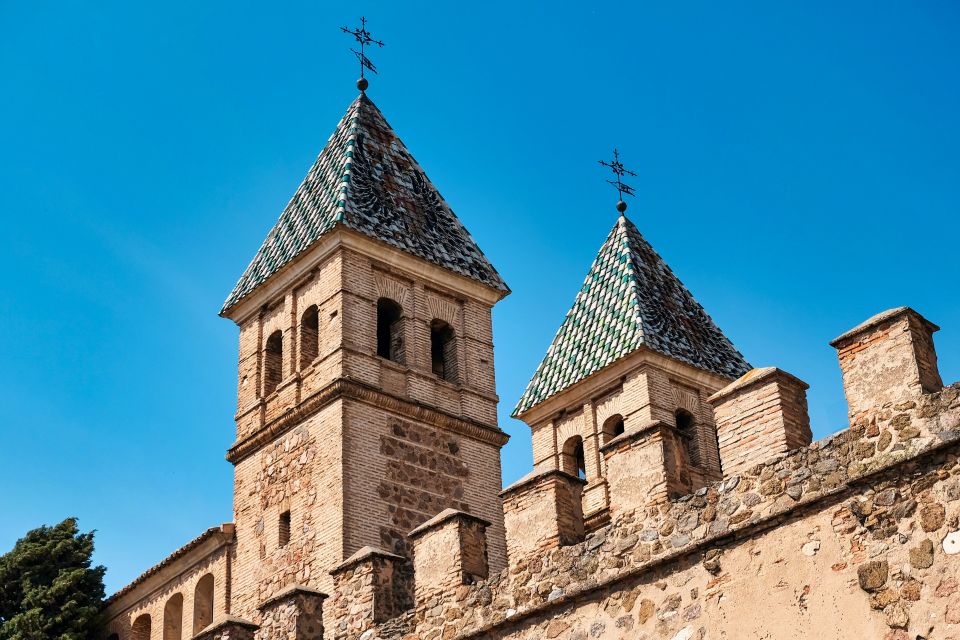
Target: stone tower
[635, 360]
[366, 400]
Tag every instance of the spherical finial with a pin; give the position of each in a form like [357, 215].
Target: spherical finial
[621, 206]
[362, 84]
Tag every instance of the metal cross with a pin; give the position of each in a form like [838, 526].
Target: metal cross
[619, 170]
[363, 37]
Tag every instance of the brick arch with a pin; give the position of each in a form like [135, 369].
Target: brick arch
[173, 617]
[443, 309]
[141, 627]
[203, 603]
[610, 406]
[392, 289]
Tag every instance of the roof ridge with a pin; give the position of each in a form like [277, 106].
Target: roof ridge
[634, 272]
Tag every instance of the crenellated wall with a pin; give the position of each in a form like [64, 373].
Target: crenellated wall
[854, 536]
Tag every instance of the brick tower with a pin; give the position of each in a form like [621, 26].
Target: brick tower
[366, 400]
[634, 361]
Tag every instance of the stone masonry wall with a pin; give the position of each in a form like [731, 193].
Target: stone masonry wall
[855, 536]
[299, 472]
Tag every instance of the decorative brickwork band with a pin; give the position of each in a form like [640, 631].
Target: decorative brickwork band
[295, 613]
[887, 359]
[541, 511]
[449, 550]
[343, 388]
[760, 416]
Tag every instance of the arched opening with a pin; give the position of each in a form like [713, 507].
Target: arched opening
[443, 350]
[613, 427]
[273, 362]
[141, 628]
[113, 636]
[173, 618]
[390, 330]
[309, 336]
[203, 604]
[687, 427]
[572, 460]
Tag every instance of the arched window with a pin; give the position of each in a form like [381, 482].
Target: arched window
[273, 362]
[572, 460]
[443, 350]
[141, 628]
[687, 427]
[309, 336]
[612, 427]
[203, 604]
[173, 618]
[390, 330]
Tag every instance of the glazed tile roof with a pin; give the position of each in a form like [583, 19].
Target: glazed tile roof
[366, 180]
[629, 299]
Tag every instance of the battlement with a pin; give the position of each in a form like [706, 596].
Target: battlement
[864, 525]
[776, 477]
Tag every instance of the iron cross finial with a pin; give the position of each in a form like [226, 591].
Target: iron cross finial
[619, 171]
[363, 37]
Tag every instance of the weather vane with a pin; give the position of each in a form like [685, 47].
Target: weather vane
[363, 37]
[619, 170]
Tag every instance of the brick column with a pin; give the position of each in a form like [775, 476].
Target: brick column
[759, 416]
[449, 550]
[542, 511]
[887, 359]
[643, 466]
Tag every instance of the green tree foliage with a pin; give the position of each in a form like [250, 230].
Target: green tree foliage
[48, 590]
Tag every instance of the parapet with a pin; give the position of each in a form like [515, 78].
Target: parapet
[449, 550]
[541, 511]
[887, 359]
[228, 628]
[761, 415]
[646, 466]
[295, 613]
[370, 587]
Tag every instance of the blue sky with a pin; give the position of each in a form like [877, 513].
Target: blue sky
[798, 168]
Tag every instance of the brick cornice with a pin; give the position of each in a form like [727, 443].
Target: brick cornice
[355, 390]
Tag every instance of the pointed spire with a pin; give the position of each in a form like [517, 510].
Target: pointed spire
[366, 180]
[630, 299]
